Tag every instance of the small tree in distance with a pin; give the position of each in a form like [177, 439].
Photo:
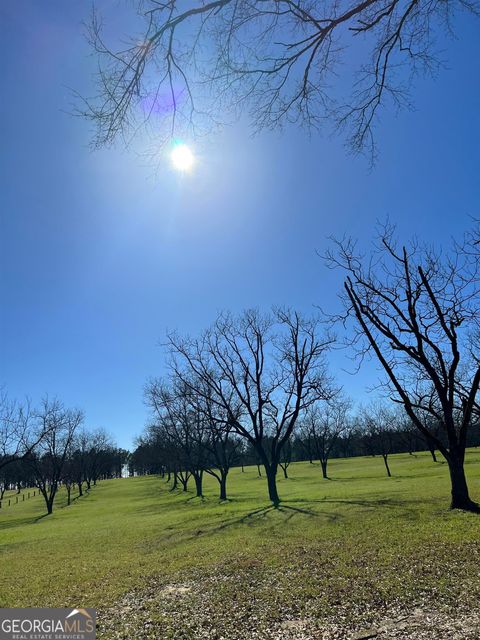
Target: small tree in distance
[177, 419]
[49, 460]
[324, 424]
[19, 430]
[380, 425]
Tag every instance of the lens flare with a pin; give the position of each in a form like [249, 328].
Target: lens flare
[182, 157]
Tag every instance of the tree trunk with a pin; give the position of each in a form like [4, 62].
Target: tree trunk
[385, 459]
[80, 489]
[69, 492]
[324, 468]
[460, 496]
[285, 474]
[198, 483]
[223, 486]
[431, 447]
[259, 471]
[271, 471]
[175, 481]
[184, 477]
[243, 470]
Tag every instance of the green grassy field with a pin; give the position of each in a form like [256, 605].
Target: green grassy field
[341, 551]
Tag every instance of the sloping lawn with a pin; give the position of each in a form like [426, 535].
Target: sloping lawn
[341, 551]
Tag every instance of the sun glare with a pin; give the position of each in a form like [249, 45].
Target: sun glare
[182, 157]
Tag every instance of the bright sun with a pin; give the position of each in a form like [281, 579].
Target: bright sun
[182, 157]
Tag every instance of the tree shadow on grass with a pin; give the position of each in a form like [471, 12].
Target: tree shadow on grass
[15, 522]
[44, 515]
[246, 518]
[195, 497]
[250, 518]
[372, 504]
[20, 522]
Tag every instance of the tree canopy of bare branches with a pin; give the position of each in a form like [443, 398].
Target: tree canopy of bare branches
[49, 458]
[180, 422]
[416, 311]
[19, 433]
[380, 423]
[262, 371]
[194, 431]
[323, 424]
[281, 61]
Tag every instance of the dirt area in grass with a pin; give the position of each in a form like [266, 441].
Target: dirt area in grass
[224, 607]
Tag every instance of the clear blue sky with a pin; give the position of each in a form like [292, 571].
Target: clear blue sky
[99, 256]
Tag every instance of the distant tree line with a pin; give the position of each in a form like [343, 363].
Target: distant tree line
[326, 433]
[48, 447]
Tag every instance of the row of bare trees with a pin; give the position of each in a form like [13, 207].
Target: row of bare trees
[49, 447]
[187, 445]
[185, 440]
[261, 378]
[252, 377]
[258, 377]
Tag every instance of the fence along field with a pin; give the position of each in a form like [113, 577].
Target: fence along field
[14, 497]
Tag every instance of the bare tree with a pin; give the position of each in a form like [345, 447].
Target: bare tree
[262, 371]
[306, 441]
[50, 456]
[222, 444]
[285, 459]
[324, 424]
[176, 414]
[19, 434]
[15, 474]
[379, 425]
[435, 429]
[97, 442]
[408, 434]
[69, 477]
[198, 64]
[79, 458]
[417, 312]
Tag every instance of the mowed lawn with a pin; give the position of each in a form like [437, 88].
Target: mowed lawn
[347, 546]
